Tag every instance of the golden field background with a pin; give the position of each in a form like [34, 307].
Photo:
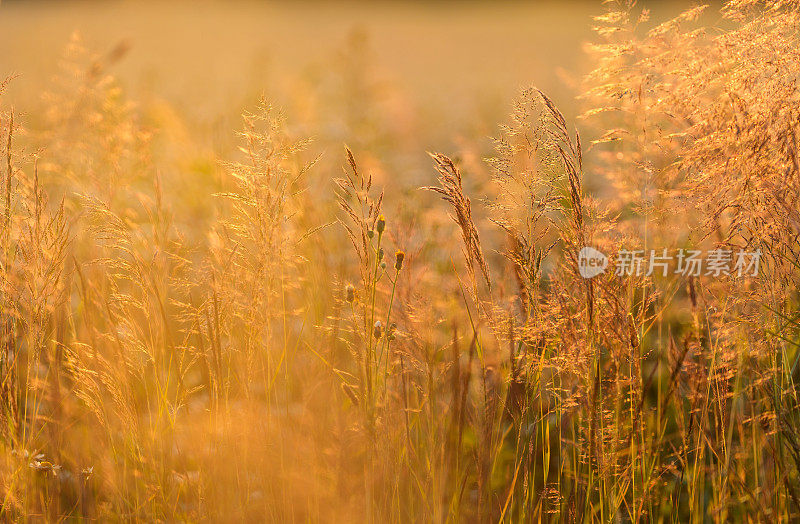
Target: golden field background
[209, 57]
[290, 262]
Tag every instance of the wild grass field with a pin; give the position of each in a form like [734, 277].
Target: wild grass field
[315, 262]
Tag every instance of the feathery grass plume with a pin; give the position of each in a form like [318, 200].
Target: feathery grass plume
[718, 132]
[134, 323]
[33, 295]
[452, 191]
[252, 320]
[537, 165]
[216, 365]
[94, 136]
[255, 256]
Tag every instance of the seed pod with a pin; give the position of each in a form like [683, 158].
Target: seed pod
[351, 293]
[350, 391]
[634, 336]
[398, 260]
[381, 225]
[378, 330]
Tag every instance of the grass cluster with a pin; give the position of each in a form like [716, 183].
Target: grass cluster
[288, 331]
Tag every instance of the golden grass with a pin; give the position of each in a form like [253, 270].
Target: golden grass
[287, 331]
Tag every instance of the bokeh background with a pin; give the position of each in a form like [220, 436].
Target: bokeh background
[457, 63]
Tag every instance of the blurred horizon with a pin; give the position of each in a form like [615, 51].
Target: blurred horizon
[209, 60]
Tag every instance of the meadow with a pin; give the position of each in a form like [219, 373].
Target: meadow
[399, 262]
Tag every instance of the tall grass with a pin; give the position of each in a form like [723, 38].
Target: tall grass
[293, 335]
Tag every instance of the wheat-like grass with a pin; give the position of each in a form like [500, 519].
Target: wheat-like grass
[256, 339]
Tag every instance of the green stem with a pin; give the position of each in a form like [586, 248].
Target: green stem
[371, 326]
[385, 347]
